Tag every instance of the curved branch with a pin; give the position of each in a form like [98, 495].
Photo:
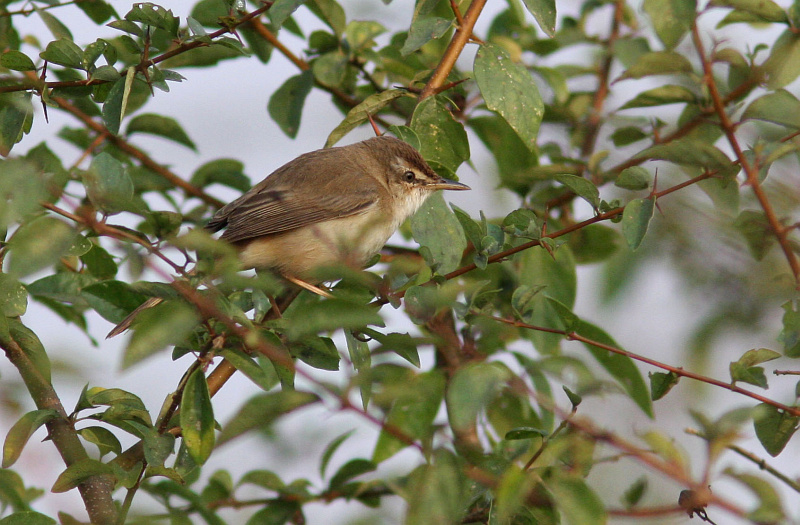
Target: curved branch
[188, 188]
[448, 61]
[95, 490]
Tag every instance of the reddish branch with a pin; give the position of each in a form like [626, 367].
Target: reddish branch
[572, 336]
[751, 170]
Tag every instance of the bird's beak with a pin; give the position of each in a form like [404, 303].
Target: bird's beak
[447, 184]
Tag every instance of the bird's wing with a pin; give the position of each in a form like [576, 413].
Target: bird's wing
[280, 209]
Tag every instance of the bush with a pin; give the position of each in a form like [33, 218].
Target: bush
[628, 139]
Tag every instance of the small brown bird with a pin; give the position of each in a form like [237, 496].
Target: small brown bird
[330, 205]
[326, 207]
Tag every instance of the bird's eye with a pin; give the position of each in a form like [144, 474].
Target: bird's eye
[409, 176]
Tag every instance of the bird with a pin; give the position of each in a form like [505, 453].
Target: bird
[326, 207]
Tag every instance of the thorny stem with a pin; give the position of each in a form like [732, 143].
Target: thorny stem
[596, 115]
[572, 336]
[750, 170]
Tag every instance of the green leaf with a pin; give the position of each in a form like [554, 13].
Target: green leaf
[525, 433]
[583, 188]
[168, 323]
[544, 11]
[594, 243]
[413, 411]
[783, 64]
[108, 185]
[661, 384]
[512, 493]
[318, 352]
[770, 508]
[38, 245]
[331, 314]
[790, 334]
[79, 472]
[99, 262]
[13, 329]
[16, 118]
[249, 367]
[260, 411]
[330, 69]
[508, 88]
[286, 104]
[13, 297]
[155, 16]
[113, 300]
[197, 418]
[360, 34]
[633, 494]
[763, 10]
[330, 12]
[63, 52]
[753, 375]
[265, 479]
[442, 138]
[361, 113]
[780, 107]
[437, 491]
[103, 438]
[23, 429]
[327, 454]
[14, 493]
[23, 188]
[471, 389]
[98, 10]
[636, 219]
[126, 27]
[162, 126]
[574, 399]
[557, 274]
[16, 61]
[633, 178]
[401, 344]
[511, 154]
[228, 172]
[282, 10]
[757, 232]
[757, 356]
[575, 500]
[112, 108]
[658, 63]
[621, 367]
[627, 135]
[436, 227]
[669, 94]
[422, 31]
[774, 428]
[350, 470]
[28, 517]
[55, 25]
[672, 19]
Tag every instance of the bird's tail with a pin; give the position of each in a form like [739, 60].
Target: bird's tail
[126, 323]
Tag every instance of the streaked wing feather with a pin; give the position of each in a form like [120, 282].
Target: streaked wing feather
[271, 212]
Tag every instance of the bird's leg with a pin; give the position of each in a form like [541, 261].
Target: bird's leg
[308, 286]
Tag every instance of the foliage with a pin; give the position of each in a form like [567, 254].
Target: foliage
[577, 109]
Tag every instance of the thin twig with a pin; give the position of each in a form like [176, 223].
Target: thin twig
[573, 336]
[751, 171]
